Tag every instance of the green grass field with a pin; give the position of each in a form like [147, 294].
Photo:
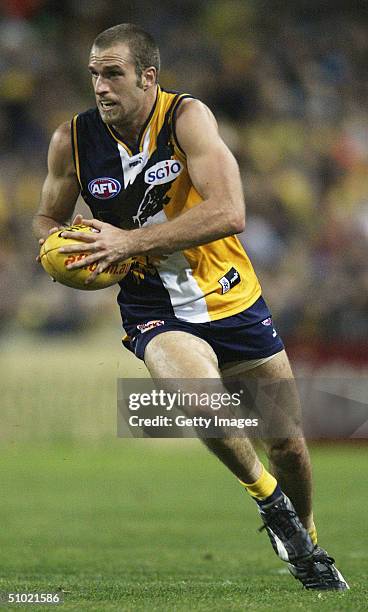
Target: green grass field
[138, 525]
[142, 524]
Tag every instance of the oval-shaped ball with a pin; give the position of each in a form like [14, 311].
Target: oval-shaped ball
[55, 263]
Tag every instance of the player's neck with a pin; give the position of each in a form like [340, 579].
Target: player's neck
[130, 130]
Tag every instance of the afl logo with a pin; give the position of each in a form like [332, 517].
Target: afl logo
[163, 172]
[104, 188]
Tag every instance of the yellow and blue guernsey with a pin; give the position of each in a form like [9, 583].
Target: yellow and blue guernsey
[151, 184]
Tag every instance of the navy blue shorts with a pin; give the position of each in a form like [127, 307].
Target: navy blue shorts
[247, 335]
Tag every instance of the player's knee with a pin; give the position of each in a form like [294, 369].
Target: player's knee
[197, 411]
[287, 452]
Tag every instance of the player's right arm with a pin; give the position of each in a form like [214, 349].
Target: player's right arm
[61, 187]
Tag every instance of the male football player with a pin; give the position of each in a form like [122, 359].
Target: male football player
[165, 189]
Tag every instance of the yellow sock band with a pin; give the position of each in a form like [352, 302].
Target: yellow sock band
[313, 534]
[263, 487]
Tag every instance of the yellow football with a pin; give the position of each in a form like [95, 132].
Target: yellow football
[55, 263]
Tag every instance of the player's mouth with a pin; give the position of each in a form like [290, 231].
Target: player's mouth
[107, 105]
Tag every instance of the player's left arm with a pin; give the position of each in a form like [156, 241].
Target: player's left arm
[214, 173]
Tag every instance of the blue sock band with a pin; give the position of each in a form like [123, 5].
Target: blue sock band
[271, 498]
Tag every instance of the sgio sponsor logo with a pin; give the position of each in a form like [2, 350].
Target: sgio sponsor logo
[104, 188]
[163, 172]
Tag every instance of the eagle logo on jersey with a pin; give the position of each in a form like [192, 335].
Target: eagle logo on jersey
[153, 201]
[141, 266]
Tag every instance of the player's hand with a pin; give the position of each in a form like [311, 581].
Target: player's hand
[76, 221]
[107, 244]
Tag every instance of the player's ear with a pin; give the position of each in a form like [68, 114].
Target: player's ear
[149, 77]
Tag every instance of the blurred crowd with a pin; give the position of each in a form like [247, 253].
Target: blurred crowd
[290, 90]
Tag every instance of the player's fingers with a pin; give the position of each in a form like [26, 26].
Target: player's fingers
[91, 277]
[40, 242]
[78, 247]
[86, 261]
[100, 268]
[95, 223]
[77, 219]
[54, 229]
[83, 236]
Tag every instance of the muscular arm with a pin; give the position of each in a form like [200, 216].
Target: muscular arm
[61, 188]
[215, 175]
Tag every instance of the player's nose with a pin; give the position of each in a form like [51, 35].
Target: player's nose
[101, 85]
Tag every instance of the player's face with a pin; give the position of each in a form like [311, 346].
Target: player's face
[119, 92]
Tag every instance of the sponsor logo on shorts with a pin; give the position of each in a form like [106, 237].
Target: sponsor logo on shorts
[163, 172]
[231, 278]
[267, 321]
[143, 327]
[104, 188]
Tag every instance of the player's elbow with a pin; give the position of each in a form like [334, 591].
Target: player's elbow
[36, 225]
[237, 222]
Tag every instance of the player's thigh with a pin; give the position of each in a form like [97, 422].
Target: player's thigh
[178, 354]
[275, 398]
[277, 368]
[278, 378]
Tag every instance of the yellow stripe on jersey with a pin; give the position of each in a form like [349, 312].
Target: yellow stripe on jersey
[75, 147]
[178, 150]
[163, 103]
[211, 262]
[119, 140]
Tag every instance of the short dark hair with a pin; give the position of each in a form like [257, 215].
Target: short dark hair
[142, 46]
